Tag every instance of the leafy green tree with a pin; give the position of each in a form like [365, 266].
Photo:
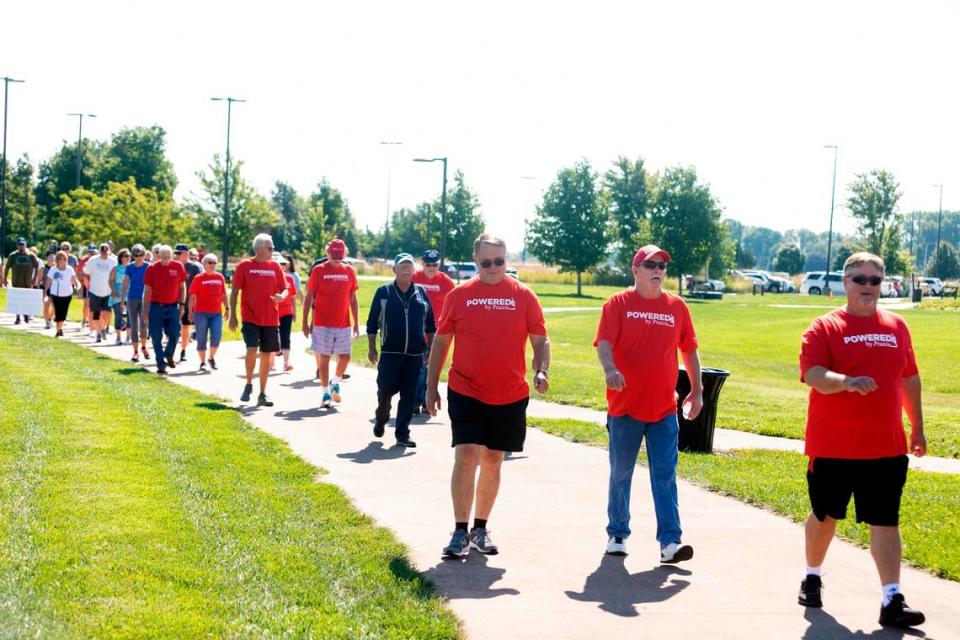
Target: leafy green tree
[873, 203]
[415, 230]
[291, 209]
[464, 223]
[22, 211]
[369, 243]
[570, 227]
[760, 241]
[723, 252]
[314, 232]
[138, 153]
[58, 175]
[949, 266]
[339, 220]
[250, 213]
[685, 219]
[123, 213]
[789, 258]
[843, 252]
[626, 185]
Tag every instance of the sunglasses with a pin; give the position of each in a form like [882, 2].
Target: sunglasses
[873, 281]
[431, 264]
[650, 264]
[496, 262]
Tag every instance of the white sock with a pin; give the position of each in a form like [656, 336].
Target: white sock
[889, 590]
[335, 380]
[325, 390]
[813, 571]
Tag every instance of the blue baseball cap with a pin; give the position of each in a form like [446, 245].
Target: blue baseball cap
[22, 241]
[431, 256]
[403, 257]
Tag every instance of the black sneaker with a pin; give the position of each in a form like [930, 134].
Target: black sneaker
[161, 372]
[407, 443]
[183, 356]
[378, 429]
[264, 401]
[99, 338]
[17, 321]
[171, 364]
[213, 363]
[810, 592]
[417, 409]
[247, 391]
[203, 367]
[898, 614]
[459, 545]
[135, 358]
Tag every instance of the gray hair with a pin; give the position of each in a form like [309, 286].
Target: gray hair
[261, 239]
[863, 257]
[210, 257]
[488, 238]
[161, 249]
[156, 249]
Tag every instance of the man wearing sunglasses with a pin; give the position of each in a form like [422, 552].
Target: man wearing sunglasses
[489, 320]
[860, 365]
[437, 286]
[640, 331]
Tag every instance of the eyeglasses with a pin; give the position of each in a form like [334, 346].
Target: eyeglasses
[873, 281]
[496, 262]
[650, 264]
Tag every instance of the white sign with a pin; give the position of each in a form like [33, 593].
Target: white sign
[24, 302]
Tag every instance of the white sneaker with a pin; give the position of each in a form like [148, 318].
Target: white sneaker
[675, 552]
[616, 547]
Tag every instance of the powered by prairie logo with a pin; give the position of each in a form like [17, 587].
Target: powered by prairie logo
[493, 304]
[342, 277]
[871, 340]
[659, 319]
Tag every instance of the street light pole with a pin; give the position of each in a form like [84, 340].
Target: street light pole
[226, 180]
[386, 225]
[3, 170]
[833, 194]
[80, 144]
[443, 207]
[939, 223]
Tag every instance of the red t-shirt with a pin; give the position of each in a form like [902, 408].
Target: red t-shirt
[645, 335]
[437, 289]
[846, 424]
[257, 281]
[285, 308]
[490, 324]
[164, 281]
[331, 286]
[209, 289]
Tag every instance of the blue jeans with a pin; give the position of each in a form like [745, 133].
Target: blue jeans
[626, 435]
[164, 319]
[212, 322]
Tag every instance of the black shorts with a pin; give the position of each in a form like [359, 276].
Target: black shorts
[876, 487]
[184, 319]
[286, 322]
[99, 304]
[501, 427]
[266, 338]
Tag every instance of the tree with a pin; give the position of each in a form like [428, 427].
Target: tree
[949, 266]
[788, 258]
[22, 212]
[626, 185]
[685, 219]
[723, 252]
[58, 175]
[873, 203]
[415, 230]
[137, 153]
[250, 212]
[315, 235]
[291, 210]
[570, 226]
[464, 223]
[338, 219]
[760, 241]
[843, 252]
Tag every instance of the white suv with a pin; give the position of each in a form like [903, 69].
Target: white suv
[814, 283]
[931, 286]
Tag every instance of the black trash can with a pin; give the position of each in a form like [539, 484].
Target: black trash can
[697, 434]
[917, 294]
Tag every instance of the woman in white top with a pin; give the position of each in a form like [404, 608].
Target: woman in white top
[61, 282]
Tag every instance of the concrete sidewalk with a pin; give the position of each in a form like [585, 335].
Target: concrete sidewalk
[552, 579]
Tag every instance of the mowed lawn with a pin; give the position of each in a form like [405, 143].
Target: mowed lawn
[134, 507]
[776, 480]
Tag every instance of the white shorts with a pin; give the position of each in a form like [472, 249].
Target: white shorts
[328, 341]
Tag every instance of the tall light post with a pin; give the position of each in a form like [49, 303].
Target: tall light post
[226, 180]
[443, 207]
[3, 170]
[523, 255]
[386, 225]
[833, 193]
[939, 223]
[80, 143]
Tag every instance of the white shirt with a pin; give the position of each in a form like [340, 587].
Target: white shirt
[60, 281]
[99, 271]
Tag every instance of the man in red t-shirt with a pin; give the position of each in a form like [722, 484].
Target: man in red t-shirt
[332, 297]
[641, 330]
[437, 286]
[261, 281]
[859, 363]
[489, 320]
[164, 289]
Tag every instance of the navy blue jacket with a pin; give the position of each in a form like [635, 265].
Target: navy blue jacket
[401, 318]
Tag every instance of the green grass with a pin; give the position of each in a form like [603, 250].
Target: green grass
[776, 480]
[134, 507]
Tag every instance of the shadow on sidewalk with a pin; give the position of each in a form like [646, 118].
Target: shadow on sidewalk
[303, 414]
[468, 579]
[618, 591]
[302, 384]
[824, 626]
[376, 451]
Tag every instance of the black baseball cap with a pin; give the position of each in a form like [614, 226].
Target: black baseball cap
[430, 256]
[22, 241]
[180, 248]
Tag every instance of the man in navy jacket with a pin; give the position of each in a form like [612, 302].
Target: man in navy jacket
[402, 314]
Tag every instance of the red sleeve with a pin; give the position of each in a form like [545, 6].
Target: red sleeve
[238, 275]
[148, 276]
[195, 286]
[688, 337]
[814, 348]
[536, 325]
[609, 327]
[911, 368]
[448, 319]
[281, 283]
[312, 281]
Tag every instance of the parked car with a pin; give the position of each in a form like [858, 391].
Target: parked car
[770, 282]
[815, 283]
[461, 270]
[513, 273]
[900, 284]
[931, 286]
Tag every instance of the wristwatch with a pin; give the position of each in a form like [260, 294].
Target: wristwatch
[545, 374]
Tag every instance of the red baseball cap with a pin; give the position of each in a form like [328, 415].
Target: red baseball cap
[336, 249]
[649, 252]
